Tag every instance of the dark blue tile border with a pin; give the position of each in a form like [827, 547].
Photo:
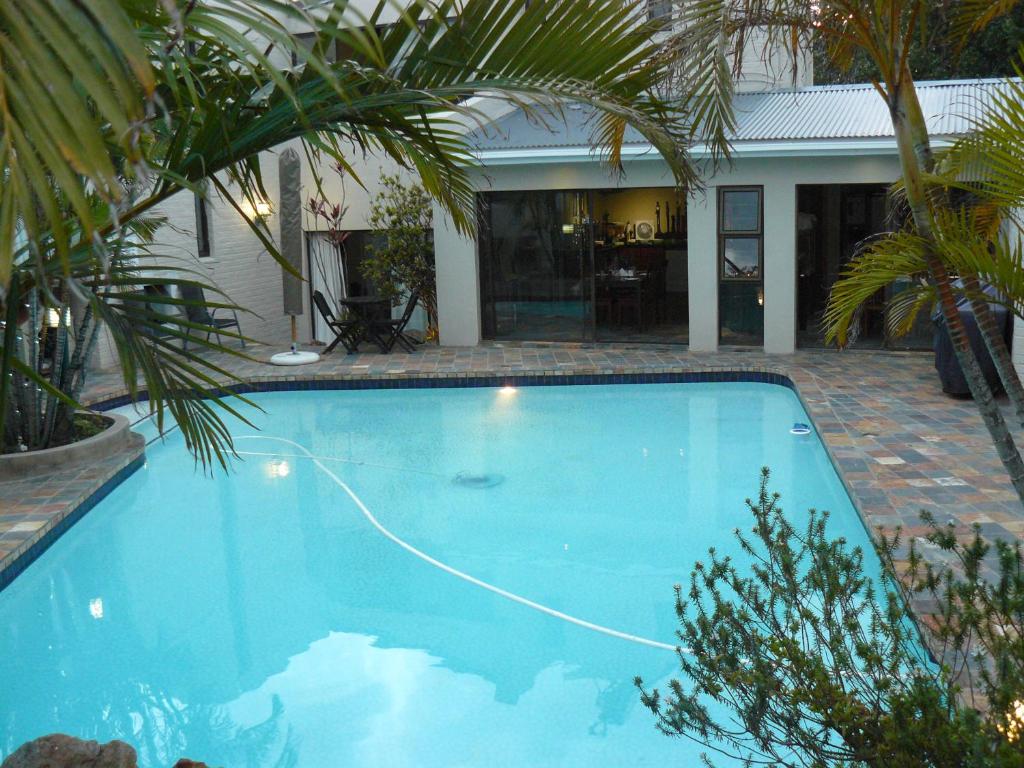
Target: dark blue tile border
[30, 555]
[490, 380]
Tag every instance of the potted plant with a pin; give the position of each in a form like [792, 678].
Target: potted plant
[401, 258]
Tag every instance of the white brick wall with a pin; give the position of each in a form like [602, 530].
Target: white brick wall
[239, 264]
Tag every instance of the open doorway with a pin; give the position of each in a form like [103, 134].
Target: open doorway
[336, 271]
[833, 222]
[641, 291]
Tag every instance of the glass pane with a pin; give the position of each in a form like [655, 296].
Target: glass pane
[532, 253]
[741, 313]
[740, 258]
[741, 210]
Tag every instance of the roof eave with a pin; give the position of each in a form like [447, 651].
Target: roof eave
[885, 145]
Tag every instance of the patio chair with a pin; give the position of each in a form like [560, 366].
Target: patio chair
[200, 314]
[149, 301]
[387, 333]
[345, 331]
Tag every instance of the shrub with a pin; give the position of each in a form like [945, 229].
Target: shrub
[815, 663]
[401, 215]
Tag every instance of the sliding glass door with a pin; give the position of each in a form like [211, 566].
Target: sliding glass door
[536, 252]
[584, 265]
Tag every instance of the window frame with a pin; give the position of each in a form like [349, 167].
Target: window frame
[659, 10]
[204, 242]
[740, 234]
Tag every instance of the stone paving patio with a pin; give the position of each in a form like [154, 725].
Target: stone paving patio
[900, 444]
[35, 510]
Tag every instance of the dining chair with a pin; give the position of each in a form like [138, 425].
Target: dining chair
[345, 331]
[199, 313]
[387, 333]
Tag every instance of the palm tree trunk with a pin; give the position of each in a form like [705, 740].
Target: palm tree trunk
[987, 328]
[912, 142]
[996, 345]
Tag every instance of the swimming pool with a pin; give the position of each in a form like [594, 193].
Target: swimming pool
[422, 577]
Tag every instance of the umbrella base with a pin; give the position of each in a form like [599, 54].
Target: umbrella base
[294, 358]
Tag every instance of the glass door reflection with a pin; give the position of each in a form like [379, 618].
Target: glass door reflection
[535, 256]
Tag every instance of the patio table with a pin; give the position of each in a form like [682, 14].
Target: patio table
[362, 310]
[637, 284]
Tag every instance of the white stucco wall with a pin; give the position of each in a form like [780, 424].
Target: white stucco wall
[778, 175]
[239, 264]
[765, 69]
[1017, 345]
[458, 284]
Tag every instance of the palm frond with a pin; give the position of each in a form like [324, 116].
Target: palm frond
[880, 263]
[967, 245]
[408, 91]
[903, 308]
[75, 87]
[971, 16]
[716, 40]
[995, 258]
[990, 160]
[109, 114]
[149, 333]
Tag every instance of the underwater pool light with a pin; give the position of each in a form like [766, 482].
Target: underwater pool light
[278, 468]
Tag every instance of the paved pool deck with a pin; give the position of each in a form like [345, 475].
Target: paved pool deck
[900, 444]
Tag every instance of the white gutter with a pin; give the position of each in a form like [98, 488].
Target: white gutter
[779, 148]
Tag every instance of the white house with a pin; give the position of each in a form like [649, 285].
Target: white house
[748, 260]
[567, 251]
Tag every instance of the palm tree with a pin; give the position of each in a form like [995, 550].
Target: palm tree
[108, 109]
[710, 45]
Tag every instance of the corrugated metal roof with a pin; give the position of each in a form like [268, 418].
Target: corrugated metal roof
[819, 112]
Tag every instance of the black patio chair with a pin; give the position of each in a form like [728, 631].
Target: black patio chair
[150, 303]
[200, 314]
[345, 331]
[387, 333]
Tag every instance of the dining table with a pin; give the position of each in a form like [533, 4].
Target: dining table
[364, 310]
[626, 281]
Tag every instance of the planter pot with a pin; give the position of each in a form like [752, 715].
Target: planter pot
[114, 439]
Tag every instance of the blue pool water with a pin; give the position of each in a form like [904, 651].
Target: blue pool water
[332, 601]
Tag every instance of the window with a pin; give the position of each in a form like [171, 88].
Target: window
[740, 232]
[308, 39]
[659, 9]
[741, 261]
[202, 228]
